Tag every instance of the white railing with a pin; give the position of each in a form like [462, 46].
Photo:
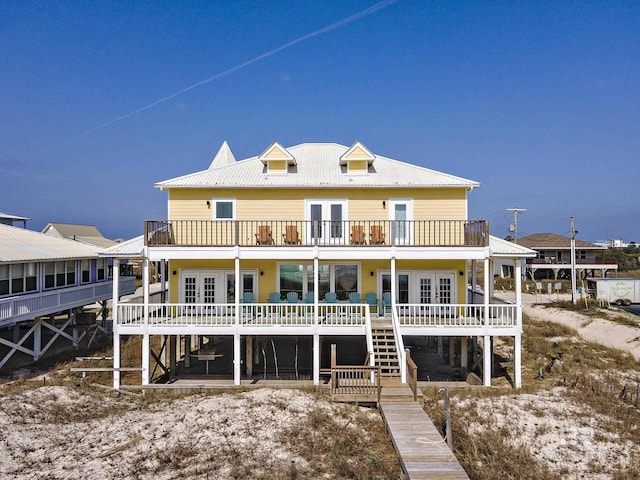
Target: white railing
[402, 354]
[456, 315]
[25, 307]
[253, 314]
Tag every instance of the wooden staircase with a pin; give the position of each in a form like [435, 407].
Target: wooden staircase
[385, 350]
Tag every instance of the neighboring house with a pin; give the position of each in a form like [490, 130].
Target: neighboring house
[313, 245]
[88, 234]
[553, 259]
[7, 219]
[42, 277]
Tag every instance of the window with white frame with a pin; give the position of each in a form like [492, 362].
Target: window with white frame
[342, 279]
[18, 278]
[224, 209]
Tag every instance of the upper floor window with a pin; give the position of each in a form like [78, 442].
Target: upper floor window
[101, 269]
[18, 278]
[59, 274]
[86, 271]
[224, 209]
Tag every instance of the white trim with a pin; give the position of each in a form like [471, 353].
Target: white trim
[214, 201]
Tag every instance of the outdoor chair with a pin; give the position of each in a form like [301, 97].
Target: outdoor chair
[291, 236]
[308, 298]
[386, 302]
[330, 297]
[354, 297]
[274, 297]
[357, 235]
[247, 297]
[376, 236]
[371, 299]
[263, 237]
[292, 297]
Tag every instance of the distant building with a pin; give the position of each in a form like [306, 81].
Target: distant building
[87, 234]
[7, 219]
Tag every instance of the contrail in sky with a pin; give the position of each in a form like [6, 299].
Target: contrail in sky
[328, 28]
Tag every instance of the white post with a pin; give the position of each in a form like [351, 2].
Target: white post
[237, 288]
[145, 358]
[486, 370]
[316, 287]
[115, 296]
[236, 358]
[464, 360]
[316, 359]
[487, 291]
[517, 356]
[116, 358]
[37, 340]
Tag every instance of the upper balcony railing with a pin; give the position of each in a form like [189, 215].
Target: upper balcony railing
[292, 233]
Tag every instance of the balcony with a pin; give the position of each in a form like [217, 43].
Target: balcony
[290, 233]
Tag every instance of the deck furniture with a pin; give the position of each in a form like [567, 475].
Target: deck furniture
[357, 235]
[376, 236]
[263, 237]
[291, 237]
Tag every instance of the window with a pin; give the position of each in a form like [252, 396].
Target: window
[85, 266]
[18, 278]
[101, 269]
[401, 215]
[582, 254]
[224, 209]
[59, 274]
[341, 279]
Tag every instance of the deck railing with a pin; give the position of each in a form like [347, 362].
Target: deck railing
[303, 314]
[412, 374]
[24, 307]
[292, 233]
[356, 382]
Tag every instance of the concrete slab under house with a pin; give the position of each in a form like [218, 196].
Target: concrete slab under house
[270, 260]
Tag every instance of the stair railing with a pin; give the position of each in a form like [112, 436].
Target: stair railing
[395, 322]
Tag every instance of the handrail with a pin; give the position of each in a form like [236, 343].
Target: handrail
[412, 370]
[399, 344]
[369, 336]
[356, 380]
[279, 233]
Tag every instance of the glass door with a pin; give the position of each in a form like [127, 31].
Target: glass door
[400, 214]
[326, 224]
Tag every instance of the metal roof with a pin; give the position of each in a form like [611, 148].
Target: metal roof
[504, 248]
[318, 165]
[130, 248]
[22, 245]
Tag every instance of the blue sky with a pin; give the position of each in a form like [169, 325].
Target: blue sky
[537, 101]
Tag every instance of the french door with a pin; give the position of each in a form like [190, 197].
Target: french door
[213, 286]
[421, 287]
[327, 224]
[401, 214]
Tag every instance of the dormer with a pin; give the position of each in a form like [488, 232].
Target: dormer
[277, 159]
[357, 159]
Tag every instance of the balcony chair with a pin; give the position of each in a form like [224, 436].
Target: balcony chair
[292, 297]
[274, 297]
[357, 235]
[247, 297]
[376, 235]
[291, 236]
[263, 237]
[371, 299]
[308, 298]
[330, 297]
[354, 297]
[386, 303]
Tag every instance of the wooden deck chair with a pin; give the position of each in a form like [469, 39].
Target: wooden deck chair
[263, 237]
[386, 302]
[376, 235]
[308, 298]
[291, 236]
[371, 299]
[357, 235]
[292, 297]
[247, 297]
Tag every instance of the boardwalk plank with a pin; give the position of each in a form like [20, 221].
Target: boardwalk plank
[422, 452]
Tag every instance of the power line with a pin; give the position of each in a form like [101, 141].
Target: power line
[514, 227]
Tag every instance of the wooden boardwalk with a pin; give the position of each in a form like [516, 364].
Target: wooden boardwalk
[421, 450]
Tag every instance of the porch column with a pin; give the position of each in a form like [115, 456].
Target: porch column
[163, 281]
[187, 351]
[173, 347]
[316, 286]
[474, 280]
[236, 359]
[452, 351]
[486, 368]
[116, 358]
[464, 360]
[393, 281]
[37, 338]
[115, 296]
[249, 355]
[316, 359]
[487, 291]
[145, 358]
[517, 356]
[238, 286]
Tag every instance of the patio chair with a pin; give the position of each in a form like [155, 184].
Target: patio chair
[263, 237]
[291, 236]
[357, 235]
[292, 297]
[376, 236]
[308, 298]
[354, 297]
[330, 297]
[371, 299]
[247, 297]
[386, 302]
[274, 297]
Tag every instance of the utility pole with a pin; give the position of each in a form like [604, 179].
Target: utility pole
[514, 227]
[574, 295]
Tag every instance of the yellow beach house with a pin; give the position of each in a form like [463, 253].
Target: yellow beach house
[270, 260]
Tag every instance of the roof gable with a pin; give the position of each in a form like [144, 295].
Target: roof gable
[223, 157]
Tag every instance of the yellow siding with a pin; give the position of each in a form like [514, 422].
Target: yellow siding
[277, 166]
[276, 154]
[357, 154]
[364, 204]
[357, 166]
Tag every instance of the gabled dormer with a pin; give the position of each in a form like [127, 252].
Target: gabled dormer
[277, 159]
[357, 159]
